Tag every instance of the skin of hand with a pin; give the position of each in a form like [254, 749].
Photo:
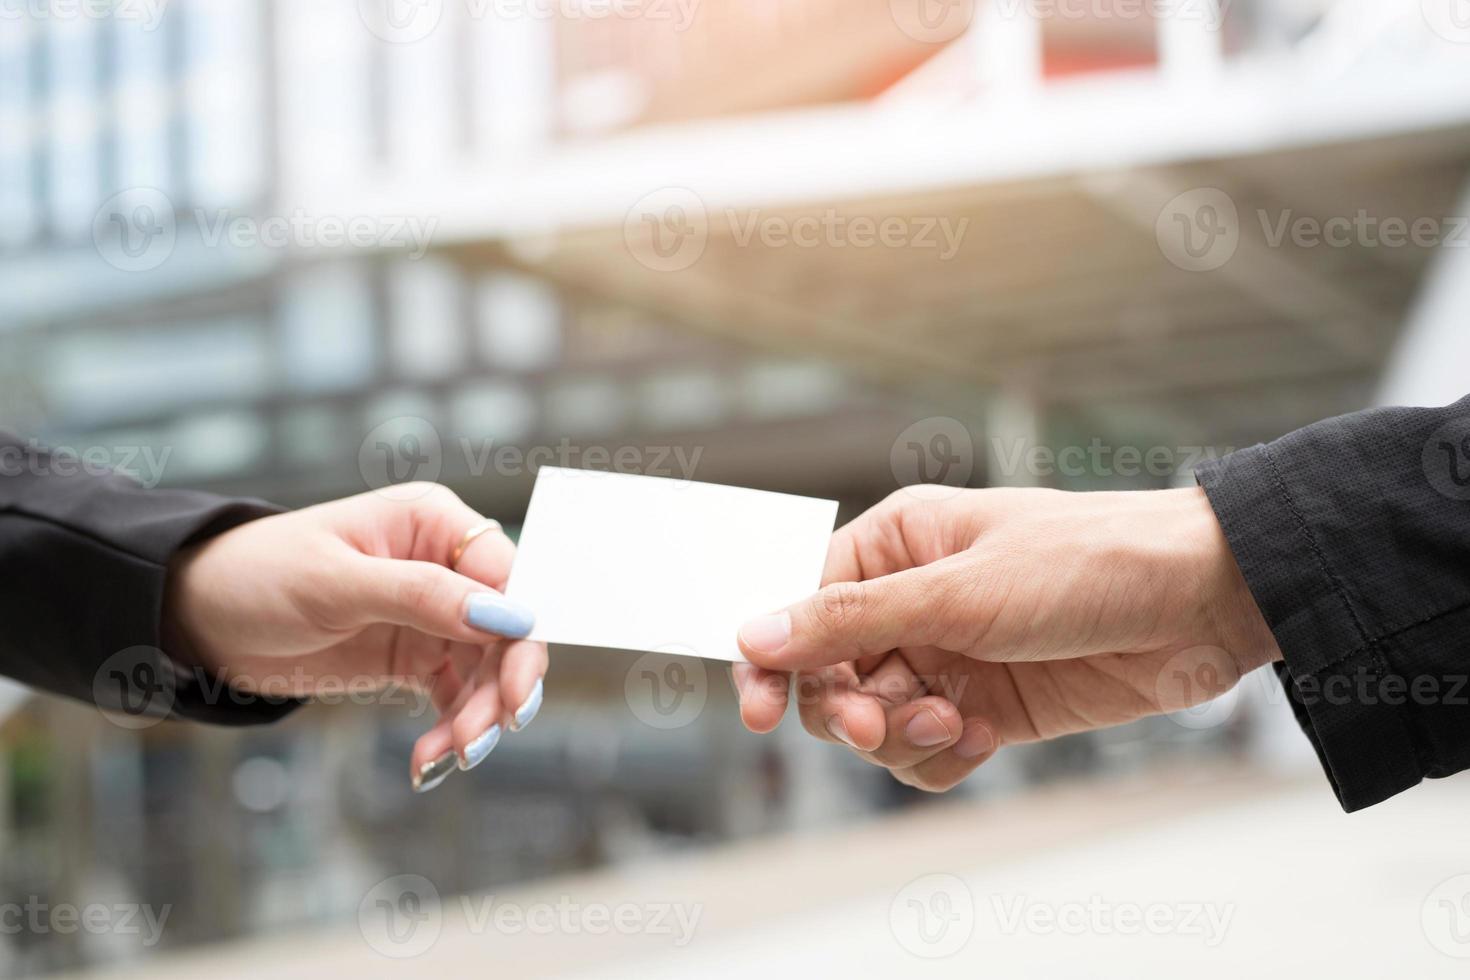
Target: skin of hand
[952, 623]
[359, 592]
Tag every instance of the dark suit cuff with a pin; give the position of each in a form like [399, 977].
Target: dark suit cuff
[188, 691]
[1333, 673]
[85, 619]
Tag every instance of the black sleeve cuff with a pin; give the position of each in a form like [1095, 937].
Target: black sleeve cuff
[86, 559]
[1334, 671]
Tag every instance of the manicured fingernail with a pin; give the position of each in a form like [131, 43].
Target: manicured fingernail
[475, 752]
[527, 711]
[494, 613]
[767, 634]
[975, 742]
[838, 728]
[433, 773]
[925, 730]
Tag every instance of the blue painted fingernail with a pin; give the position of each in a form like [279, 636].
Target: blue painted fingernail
[527, 711]
[475, 752]
[433, 773]
[494, 613]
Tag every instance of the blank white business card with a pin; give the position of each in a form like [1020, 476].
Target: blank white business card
[653, 564]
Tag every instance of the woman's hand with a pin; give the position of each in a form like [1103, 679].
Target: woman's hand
[360, 589]
[952, 623]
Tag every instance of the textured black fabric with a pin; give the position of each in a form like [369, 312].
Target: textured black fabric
[83, 560]
[1354, 537]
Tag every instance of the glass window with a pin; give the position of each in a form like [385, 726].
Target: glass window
[19, 217]
[423, 99]
[75, 177]
[217, 444]
[225, 103]
[427, 303]
[399, 412]
[326, 123]
[314, 434]
[142, 100]
[586, 407]
[499, 411]
[685, 400]
[519, 323]
[790, 389]
[111, 373]
[327, 323]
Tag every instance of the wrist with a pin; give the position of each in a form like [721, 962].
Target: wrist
[1230, 608]
[179, 630]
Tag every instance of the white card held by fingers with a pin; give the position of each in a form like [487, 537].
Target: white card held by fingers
[646, 563]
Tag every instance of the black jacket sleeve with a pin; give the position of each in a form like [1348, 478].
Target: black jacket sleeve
[1354, 537]
[84, 556]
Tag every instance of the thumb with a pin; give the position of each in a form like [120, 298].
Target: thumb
[851, 620]
[431, 599]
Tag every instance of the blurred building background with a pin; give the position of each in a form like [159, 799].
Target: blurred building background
[303, 248]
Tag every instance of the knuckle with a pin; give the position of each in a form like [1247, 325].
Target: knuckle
[419, 591]
[435, 494]
[839, 607]
[463, 730]
[814, 723]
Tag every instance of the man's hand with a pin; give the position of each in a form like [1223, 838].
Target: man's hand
[359, 590]
[953, 623]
